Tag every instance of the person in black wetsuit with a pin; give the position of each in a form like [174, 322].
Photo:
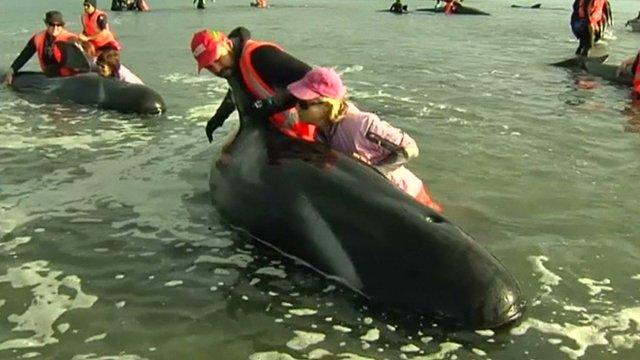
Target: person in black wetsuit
[397, 7]
[200, 3]
[258, 68]
[44, 46]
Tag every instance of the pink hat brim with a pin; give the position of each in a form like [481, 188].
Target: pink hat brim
[301, 91]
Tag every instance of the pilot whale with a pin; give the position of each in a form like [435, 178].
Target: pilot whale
[345, 220]
[91, 89]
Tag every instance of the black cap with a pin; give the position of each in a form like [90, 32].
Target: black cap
[53, 17]
[94, 3]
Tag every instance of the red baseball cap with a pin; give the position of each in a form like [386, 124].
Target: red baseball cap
[204, 46]
[318, 82]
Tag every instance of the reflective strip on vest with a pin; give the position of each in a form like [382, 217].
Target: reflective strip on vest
[38, 41]
[287, 121]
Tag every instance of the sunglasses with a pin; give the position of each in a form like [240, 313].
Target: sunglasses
[55, 24]
[306, 104]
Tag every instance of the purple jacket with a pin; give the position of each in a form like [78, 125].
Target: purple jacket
[366, 136]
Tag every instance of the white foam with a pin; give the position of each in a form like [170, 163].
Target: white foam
[12, 244]
[239, 260]
[120, 356]
[548, 278]
[351, 356]
[272, 272]
[446, 348]
[352, 69]
[96, 338]
[304, 339]
[595, 286]
[318, 354]
[187, 78]
[371, 335]
[303, 312]
[409, 348]
[173, 283]
[485, 332]
[584, 336]
[341, 328]
[47, 305]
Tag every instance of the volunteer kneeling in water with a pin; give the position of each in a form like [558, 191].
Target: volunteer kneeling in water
[342, 126]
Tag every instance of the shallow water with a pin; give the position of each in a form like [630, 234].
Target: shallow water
[111, 249]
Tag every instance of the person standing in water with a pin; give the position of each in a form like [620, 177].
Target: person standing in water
[200, 4]
[586, 23]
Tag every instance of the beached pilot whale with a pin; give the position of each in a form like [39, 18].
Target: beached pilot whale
[91, 89]
[345, 220]
[597, 66]
[460, 10]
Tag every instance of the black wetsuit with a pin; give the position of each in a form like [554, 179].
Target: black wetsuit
[275, 67]
[52, 66]
[397, 8]
[119, 5]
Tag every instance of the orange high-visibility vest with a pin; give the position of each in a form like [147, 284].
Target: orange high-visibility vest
[636, 75]
[287, 121]
[91, 28]
[39, 40]
[595, 11]
[450, 7]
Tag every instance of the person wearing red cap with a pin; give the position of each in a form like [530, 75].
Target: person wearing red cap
[261, 69]
[44, 45]
[321, 100]
[95, 28]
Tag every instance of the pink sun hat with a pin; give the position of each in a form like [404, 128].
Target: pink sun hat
[319, 82]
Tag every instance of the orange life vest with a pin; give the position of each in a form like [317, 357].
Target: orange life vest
[636, 75]
[595, 11]
[91, 28]
[450, 7]
[287, 121]
[39, 40]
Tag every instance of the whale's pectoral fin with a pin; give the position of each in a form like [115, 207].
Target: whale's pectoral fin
[578, 61]
[73, 56]
[328, 249]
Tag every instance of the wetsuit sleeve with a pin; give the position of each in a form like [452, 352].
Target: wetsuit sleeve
[24, 56]
[224, 110]
[282, 101]
[278, 68]
[102, 22]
